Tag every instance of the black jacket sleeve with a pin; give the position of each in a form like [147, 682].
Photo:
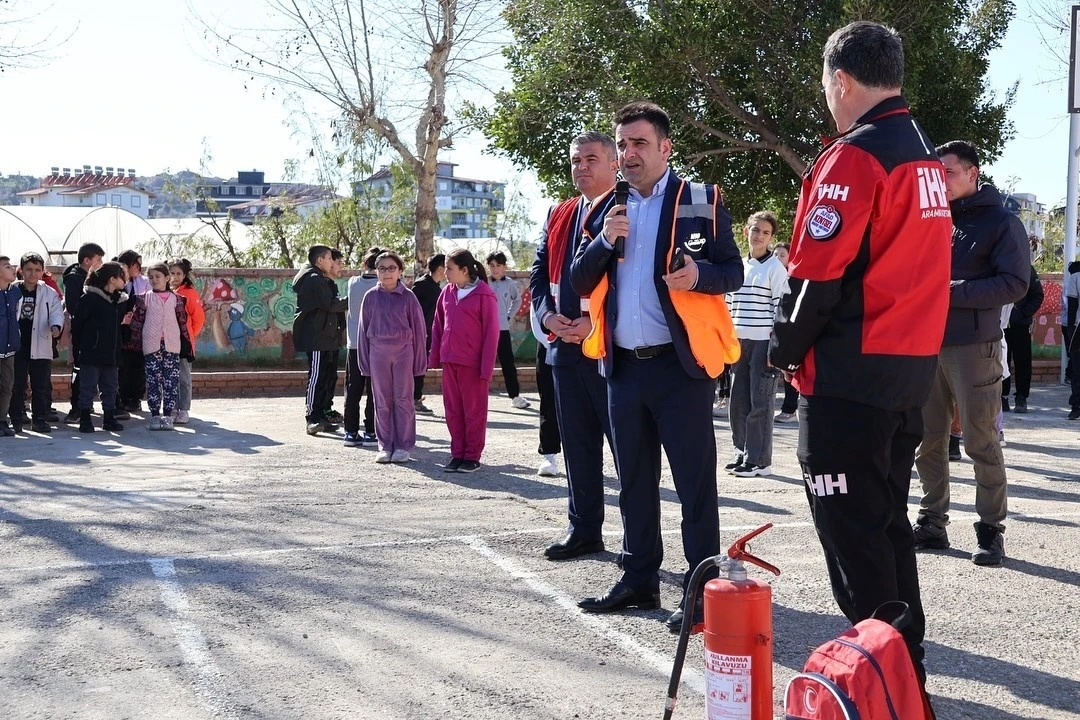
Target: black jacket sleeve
[1010, 268]
[1023, 312]
[539, 279]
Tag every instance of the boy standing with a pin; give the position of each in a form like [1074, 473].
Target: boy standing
[9, 339]
[317, 331]
[41, 318]
[90, 258]
[355, 383]
[132, 364]
[509, 296]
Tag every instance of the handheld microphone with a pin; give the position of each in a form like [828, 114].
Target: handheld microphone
[622, 195]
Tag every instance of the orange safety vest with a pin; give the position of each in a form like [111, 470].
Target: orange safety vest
[708, 324]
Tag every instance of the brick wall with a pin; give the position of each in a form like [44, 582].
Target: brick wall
[276, 383]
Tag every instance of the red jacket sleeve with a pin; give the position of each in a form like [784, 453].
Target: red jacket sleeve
[489, 326]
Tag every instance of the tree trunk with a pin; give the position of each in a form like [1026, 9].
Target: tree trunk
[426, 213]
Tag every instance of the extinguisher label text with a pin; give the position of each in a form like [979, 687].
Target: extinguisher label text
[727, 679]
[823, 485]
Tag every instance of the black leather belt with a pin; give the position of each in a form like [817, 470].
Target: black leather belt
[645, 352]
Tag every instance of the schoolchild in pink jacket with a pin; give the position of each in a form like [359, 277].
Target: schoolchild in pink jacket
[464, 341]
[392, 351]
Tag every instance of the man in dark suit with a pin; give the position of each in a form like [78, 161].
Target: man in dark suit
[660, 334]
[580, 391]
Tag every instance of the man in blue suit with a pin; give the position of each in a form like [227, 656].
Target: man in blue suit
[580, 392]
[663, 345]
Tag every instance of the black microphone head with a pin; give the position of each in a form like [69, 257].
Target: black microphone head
[622, 192]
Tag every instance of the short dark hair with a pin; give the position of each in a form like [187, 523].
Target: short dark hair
[105, 272]
[594, 136]
[90, 250]
[4, 257]
[317, 251]
[465, 259]
[963, 150]
[644, 110]
[765, 216]
[31, 257]
[435, 262]
[499, 258]
[130, 257]
[871, 53]
[336, 254]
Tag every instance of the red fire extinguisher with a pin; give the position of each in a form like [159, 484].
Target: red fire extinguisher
[738, 637]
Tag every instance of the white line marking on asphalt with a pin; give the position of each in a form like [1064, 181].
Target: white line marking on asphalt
[433, 540]
[659, 662]
[209, 683]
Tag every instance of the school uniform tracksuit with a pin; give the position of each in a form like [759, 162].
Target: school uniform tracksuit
[391, 349]
[464, 340]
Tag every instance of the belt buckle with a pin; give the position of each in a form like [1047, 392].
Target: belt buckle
[644, 352]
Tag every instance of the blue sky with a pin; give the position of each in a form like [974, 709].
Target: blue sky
[136, 86]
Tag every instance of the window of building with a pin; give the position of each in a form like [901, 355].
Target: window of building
[116, 200]
[136, 201]
[250, 190]
[232, 190]
[444, 185]
[99, 199]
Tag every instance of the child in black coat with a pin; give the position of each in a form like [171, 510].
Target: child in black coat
[97, 326]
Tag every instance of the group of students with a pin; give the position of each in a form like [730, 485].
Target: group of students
[393, 335]
[130, 334]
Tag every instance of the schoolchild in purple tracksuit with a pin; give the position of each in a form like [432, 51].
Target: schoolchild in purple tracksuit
[392, 351]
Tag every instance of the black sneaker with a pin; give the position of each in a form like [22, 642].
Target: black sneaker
[1074, 414]
[751, 470]
[991, 545]
[454, 465]
[367, 438]
[5, 429]
[930, 537]
[40, 426]
[469, 466]
[121, 414]
[736, 462]
[73, 417]
[954, 448]
[422, 409]
[333, 416]
[1020, 405]
[1005, 405]
[53, 415]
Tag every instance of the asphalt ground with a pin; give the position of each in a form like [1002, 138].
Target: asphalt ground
[238, 568]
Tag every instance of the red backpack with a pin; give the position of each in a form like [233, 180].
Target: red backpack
[865, 674]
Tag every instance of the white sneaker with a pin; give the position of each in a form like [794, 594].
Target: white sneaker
[719, 408]
[400, 456]
[519, 402]
[752, 470]
[383, 457]
[548, 468]
[182, 417]
[166, 422]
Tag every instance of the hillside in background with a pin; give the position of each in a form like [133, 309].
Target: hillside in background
[174, 192]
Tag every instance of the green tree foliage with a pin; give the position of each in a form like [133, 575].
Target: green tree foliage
[741, 80]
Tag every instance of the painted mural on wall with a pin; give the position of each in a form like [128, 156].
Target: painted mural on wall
[249, 317]
[1046, 336]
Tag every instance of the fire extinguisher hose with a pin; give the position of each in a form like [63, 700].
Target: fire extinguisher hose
[690, 601]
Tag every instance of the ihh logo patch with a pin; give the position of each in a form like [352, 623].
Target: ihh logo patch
[825, 485]
[823, 222]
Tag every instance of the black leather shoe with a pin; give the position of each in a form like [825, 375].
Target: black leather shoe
[674, 623]
[572, 546]
[620, 597]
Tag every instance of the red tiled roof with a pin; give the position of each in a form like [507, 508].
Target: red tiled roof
[37, 191]
[91, 189]
[86, 180]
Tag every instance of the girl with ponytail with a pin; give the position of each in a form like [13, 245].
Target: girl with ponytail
[464, 341]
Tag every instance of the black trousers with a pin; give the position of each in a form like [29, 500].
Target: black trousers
[1074, 379]
[322, 379]
[75, 381]
[418, 383]
[355, 387]
[40, 373]
[791, 398]
[1018, 342]
[856, 462]
[506, 361]
[132, 376]
[550, 441]
[652, 404]
[582, 399]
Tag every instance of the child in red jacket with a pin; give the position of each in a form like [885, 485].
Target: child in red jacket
[464, 341]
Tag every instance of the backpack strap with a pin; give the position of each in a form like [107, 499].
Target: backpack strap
[895, 612]
[846, 705]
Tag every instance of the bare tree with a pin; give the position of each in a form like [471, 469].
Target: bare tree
[385, 66]
[20, 48]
